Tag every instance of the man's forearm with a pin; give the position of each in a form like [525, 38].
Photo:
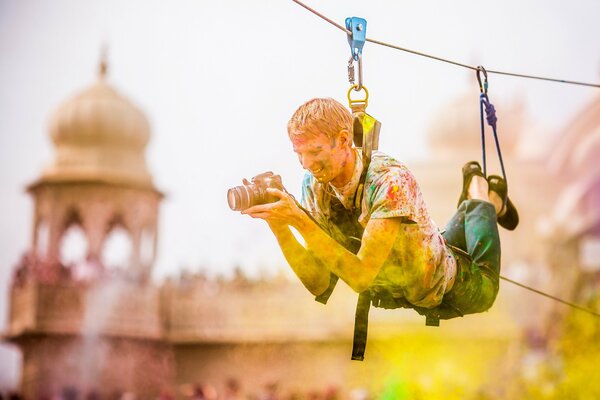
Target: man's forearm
[322, 255]
[334, 256]
[313, 275]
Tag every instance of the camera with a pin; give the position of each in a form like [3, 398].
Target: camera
[254, 193]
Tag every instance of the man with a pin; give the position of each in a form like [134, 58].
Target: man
[382, 242]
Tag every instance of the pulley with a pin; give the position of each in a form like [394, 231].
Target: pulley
[365, 128]
[356, 39]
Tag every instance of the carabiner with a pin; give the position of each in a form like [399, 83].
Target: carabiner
[482, 88]
[351, 70]
[351, 77]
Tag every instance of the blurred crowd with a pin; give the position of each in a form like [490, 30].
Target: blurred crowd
[33, 268]
[230, 390]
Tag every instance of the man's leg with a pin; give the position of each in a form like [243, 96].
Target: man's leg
[474, 229]
[481, 228]
[476, 189]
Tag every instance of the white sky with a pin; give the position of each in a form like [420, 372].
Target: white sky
[218, 81]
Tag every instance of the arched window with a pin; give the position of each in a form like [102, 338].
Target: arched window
[42, 235]
[73, 245]
[117, 249]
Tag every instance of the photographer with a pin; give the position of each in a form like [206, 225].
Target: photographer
[381, 241]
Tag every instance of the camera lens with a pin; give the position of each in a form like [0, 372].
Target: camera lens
[239, 198]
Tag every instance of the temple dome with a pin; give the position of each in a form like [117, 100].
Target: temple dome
[455, 129]
[578, 146]
[99, 135]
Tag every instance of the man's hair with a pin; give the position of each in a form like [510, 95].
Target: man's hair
[324, 116]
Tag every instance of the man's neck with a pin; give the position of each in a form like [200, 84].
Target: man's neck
[346, 175]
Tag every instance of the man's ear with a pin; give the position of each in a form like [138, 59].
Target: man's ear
[345, 138]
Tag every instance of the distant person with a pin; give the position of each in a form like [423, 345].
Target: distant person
[233, 390]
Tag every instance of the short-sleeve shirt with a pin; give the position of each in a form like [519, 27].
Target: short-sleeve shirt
[419, 266]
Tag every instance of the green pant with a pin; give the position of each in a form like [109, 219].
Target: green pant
[472, 236]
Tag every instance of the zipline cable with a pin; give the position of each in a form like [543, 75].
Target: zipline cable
[418, 53]
[594, 313]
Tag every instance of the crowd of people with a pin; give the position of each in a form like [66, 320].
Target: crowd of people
[33, 268]
[232, 389]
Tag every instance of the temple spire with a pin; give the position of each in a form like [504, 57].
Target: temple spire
[103, 66]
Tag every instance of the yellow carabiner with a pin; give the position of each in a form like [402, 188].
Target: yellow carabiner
[352, 102]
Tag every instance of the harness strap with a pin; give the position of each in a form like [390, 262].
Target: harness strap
[363, 305]
[361, 184]
[361, 324]
[350, 227]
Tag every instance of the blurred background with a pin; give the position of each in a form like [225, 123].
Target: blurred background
[123, 273]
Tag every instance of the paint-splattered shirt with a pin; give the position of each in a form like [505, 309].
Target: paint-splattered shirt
[420, 266]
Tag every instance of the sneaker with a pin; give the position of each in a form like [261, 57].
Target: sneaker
[469, 170]
[509, 218]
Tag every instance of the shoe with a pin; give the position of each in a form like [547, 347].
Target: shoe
[469, 170]
[510, 219]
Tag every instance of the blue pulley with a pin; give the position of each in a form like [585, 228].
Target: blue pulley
[358, 27]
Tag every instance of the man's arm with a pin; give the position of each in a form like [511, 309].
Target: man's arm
[311, 272]
[358, 271]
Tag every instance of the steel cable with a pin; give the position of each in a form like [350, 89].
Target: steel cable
[418, 53]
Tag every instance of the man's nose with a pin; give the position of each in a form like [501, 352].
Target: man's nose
[306, 162]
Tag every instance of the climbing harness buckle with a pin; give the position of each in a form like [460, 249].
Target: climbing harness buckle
[358, 104]
[365, 128]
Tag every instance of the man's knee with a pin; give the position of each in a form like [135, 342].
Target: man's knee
[488, 294]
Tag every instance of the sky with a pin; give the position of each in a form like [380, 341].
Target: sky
[219, 80]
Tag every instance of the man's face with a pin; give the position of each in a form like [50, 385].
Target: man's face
[323, 157]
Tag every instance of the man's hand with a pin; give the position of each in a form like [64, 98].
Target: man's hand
[322, 254]
[280, 215]
[283, 212]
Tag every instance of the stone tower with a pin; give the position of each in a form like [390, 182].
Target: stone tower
[87, 322]
[98, 179]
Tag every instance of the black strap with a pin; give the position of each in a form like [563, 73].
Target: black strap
[347, 221]
[324, 297]
[361, 324]
[358, 195]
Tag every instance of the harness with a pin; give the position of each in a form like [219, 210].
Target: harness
[346, 221]
[366, 137]
[365, 131]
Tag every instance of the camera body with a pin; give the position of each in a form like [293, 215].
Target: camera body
[254, 193]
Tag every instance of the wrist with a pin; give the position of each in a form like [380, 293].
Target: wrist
[277, 228]
[299, 221]
[303, 223]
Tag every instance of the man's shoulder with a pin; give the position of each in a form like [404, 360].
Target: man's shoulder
[382, 164]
